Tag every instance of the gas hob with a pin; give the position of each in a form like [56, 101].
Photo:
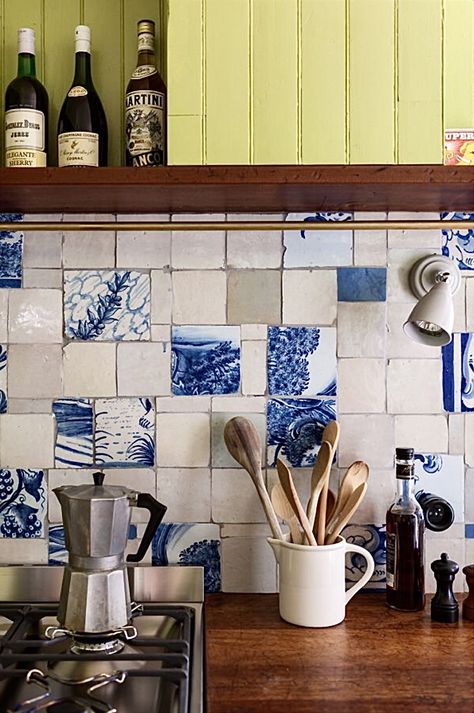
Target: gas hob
[154, 665]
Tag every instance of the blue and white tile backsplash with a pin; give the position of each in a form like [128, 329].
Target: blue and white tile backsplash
[143, 351]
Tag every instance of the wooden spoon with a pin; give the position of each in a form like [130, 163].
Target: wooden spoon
[331, 436]
[290, 491]
[284, 510]
[243, 443]
[338, 523]
[320, 472]
[355, 475]
[331, 502]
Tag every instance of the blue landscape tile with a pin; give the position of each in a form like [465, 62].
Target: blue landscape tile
[295, 428]
[318, 248]
[3, 378]
[11, 252]
[301, 361]
[205, 360]
[74, 440]
[125, 432]
[361, 284]
[23, 499]
[458, 373]
[373, 539]
[459, 244]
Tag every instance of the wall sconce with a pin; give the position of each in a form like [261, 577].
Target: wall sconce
[433, 280]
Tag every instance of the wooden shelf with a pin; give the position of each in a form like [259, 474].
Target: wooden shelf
[247, 189]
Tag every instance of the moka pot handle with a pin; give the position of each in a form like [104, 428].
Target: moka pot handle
[157, 511]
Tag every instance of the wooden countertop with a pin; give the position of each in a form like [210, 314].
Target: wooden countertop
[376, 661]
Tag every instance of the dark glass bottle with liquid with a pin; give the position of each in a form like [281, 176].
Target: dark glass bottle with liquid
[405, 540]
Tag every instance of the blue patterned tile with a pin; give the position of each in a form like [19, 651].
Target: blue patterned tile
[206, 360]
[459, 244]
[57, 552]
[74, 439]
[302, 361]
[316, 248]
[11, 253]
[361, 284]
[107, 305]
[190, 544]
[3, 378]
[22, 503]
[373, 539]
[442, 475]
[295, 428]
[125, 432]
[458, 373]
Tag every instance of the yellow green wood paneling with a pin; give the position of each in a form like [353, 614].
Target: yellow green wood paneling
[185, 140]
[105, 18]
[274, 92]
[227, 81]
[458, 99]
[323, 81]
[420, 103]
[60, 20]
[370, 84]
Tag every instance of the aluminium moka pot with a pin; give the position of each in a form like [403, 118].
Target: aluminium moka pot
[95, 594]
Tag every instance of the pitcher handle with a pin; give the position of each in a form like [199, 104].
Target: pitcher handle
[368, 573]
[156, 510]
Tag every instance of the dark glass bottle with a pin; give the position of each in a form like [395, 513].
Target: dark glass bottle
[145, 106]
[405, 540]
[82, 126]
[26, 110]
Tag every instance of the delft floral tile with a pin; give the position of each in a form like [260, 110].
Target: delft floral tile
[125, 432]
[22, 503]
[316, 248]
[295, 428]
[74, 433]
[302, 361]
[107, 305]
[373, 539]
[190, 544]
[205, 360]
[11, 253]
[459, 244]
[3, 378]
[458, 373]
[442, 475]
[58, 554]
[362, 284]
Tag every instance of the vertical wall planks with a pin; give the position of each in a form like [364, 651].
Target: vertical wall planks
[275, 81]
[184, 60]
[420, 81]
[371, 99]
[323, 81]
[458, 67]
[60, 19]
[105, 18]
[227, 81]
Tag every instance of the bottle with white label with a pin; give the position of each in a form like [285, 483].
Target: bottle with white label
[26, 110]
[145, 105]
[82, 126]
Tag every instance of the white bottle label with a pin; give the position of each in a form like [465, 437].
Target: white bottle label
[78, 148]
[145, 127]
[146, 41]
[77, 91]
[24, 138]
[144, 70]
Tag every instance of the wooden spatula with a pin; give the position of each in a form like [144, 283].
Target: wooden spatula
[344, 515]
[290, 491]
[318, 476]
[284, 510]
[331, 436]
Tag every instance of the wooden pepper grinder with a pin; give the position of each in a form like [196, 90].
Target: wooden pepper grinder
[444, 606]
[468, 604]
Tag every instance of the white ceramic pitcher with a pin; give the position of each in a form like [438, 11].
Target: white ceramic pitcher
[312, 581]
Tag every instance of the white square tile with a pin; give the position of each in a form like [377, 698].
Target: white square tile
[423, 433]
[43, 277]
[370, 247]
[29, 406]
[253, 331]
[361, 329]
[245, 404]
[160, 332]
[161, 297]
[456, 433]
[186, 493]
[199, 297]
[414, 386]
[460, 307]
[367, 437]
[143, 368]
[400, 262]
[248, 565]
[381, 489]
[469, 438]
[144, 250]
[410, 238]
[94, 249]
[89, 369]
[455, 548]
[254, 249]
[42, 249]
[309, 296]
[317, 248]
[361, 386]
[3, 315]
[253, 365]
[35, 316]
[234, 497]
[399, 345]
[221, 458]
[200, 249]
[173, 404]
[20, 551]
[35, 371]
[26, 441]
[183, 440]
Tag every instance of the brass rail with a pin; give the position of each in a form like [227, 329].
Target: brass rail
[236, 225]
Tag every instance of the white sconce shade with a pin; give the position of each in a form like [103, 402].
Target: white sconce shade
[434, 280]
